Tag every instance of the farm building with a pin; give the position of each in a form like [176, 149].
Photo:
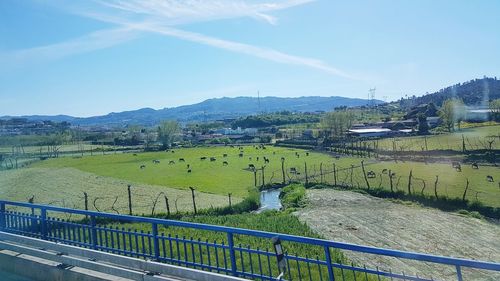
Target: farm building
[370, 132]
[478, 114]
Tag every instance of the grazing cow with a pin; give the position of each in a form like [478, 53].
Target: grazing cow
[251, 166]
[225, 163]
[143, 166]
[457, 166]
[240, 155]
[135, 154]
[171, 162]
[371, 174]
[173, 151]
[212, 159]
[489, 178]
[156, 161]
[257, 158]
[475, 165]
[384, 171]
[293, 170]
[189, 170]
[307, 153]
[203, 158]
[182, 160]
[224, 155]
[263, 147]
[188, 166]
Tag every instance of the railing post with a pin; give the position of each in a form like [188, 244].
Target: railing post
[156, 243]
[328, 260]
[43, 223]
[459, 273]
[232, 256]
[2, 215]
[93, 232]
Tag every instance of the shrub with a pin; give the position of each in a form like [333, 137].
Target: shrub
[292, 196]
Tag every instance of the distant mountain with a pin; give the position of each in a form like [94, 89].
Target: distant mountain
[474, 92]
[211, 109]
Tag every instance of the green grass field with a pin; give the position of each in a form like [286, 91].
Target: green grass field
[451, 183]
[235, 178]
[475, 138]
[65, 187]
[206, 176]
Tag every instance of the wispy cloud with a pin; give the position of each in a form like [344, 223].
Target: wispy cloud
[263, 53]
[97, 40]
[163, 17]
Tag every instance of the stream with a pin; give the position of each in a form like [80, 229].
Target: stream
[269, 200]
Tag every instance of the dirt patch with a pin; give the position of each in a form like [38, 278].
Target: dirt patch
[362, 219]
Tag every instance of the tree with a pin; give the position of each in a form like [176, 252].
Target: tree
[167, 132]
[452, 111]
[431, 110]
[423, 126]
[495, 109]
[336, 123]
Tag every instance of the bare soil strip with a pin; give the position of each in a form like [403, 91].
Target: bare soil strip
[362, 219]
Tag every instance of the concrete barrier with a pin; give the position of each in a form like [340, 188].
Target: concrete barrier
[42, 260]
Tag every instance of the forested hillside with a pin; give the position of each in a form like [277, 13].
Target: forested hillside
[473, 92]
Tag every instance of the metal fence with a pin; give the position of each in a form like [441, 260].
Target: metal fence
[216, 248]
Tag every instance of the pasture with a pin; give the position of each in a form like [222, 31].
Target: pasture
[205, 175]
[475, 139]
[451, 182]
[235, 177]
[65, 186]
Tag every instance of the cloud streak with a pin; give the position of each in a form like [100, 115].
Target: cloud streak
[97, 40]
[263, 53]
[135, 17]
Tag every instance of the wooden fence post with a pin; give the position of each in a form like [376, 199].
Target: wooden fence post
[390, 180]
[229, 195]
[321, 171]
[465, 191]
[86, 200]
[129, 200]
[194, 201]
[263, 175]
[305, 171]
[167, 205]
[435, 187]
[334, 175]
[409, 182]
[254, 177]
[364, 174]
[283, 169]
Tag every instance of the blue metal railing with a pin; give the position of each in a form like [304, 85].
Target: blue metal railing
[119, 234]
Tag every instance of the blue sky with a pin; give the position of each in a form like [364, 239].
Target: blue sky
[86, 58]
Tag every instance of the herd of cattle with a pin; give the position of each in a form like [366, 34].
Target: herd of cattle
[225, 155]
[370, 174]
